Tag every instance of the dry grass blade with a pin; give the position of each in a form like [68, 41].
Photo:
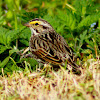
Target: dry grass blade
[59, 85]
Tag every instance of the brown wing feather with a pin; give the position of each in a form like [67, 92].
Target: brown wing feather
[50, 47]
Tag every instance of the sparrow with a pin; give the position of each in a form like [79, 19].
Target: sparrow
[48, 47]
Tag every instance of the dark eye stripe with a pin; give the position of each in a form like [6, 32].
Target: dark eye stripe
[36, 24]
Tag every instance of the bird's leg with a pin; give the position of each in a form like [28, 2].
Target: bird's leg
[47, 68]
[24, 51]
[23, 54]
[27, 56]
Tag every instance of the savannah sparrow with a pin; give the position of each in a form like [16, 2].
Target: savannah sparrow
[47, 46]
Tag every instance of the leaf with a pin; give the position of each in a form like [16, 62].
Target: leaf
[87, 51]
[12, 51]
[87, 21]
[4, 62]
[25, 42]
[71, 7]
[2, 35]
[83, 36]
[2, 48]
[67, 18]
[1, 16]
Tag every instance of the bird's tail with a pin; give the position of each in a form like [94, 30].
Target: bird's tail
[75, 67]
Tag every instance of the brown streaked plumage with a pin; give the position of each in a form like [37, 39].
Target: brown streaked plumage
[47, 46]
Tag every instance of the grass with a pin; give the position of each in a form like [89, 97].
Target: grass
[53, 85]
[70, 18]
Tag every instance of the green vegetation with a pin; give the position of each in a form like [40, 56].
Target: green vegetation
[78, 21]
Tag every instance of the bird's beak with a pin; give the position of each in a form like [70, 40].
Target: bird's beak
[27, 24]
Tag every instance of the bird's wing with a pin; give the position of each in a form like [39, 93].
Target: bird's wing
[50, 47]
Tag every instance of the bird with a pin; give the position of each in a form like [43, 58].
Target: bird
[48, 47]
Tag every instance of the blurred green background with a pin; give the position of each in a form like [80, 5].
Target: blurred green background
[78, 21]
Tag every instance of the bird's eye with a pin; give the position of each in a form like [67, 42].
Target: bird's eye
[36, 24]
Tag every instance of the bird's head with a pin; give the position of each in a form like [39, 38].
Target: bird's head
[38, 26]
